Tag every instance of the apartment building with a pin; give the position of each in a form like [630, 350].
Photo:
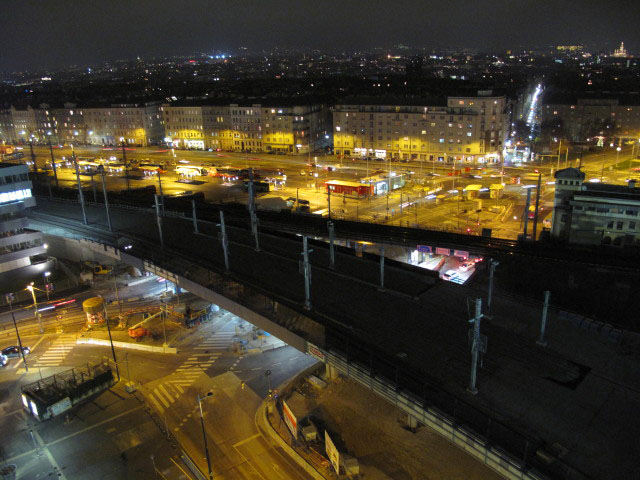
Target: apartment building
[466, 130]
[183, 126]
[18, 244]
[217, 127]
[246, 126]
[595, 213]
[298, 129]
[588, 118]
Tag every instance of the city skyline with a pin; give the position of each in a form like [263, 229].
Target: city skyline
[40, 36]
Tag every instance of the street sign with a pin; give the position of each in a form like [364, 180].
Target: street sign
[425, 249]
[461, 254]
[443, 251]
[10, 297]
[332, 452]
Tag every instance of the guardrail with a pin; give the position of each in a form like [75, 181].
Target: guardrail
[464, 437]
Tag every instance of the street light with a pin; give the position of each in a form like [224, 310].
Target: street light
[32, 289]
[9, 297]
[204, 433]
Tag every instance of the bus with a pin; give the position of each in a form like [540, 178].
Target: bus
[150, 169]
[191, 171]
[228, 173]
[258, 187]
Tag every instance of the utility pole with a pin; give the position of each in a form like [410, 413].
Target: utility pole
[307, 273]
[80, 193]
[161, 195]
[329, 200]
[381, 287]
[113, 350]
[159, 220]
[526, 213]
[106, 198]
[124, 162]
[492, 267]
[225, 241]
[332, 257]
[194, 217]
[252, 210]
[475, 346]
[53, 164]
[541, 341]
[33, 157]
[535, 215]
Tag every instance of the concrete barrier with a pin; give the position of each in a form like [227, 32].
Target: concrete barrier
[131, 346]
[295, 456]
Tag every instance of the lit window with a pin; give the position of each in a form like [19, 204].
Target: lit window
[337, 128]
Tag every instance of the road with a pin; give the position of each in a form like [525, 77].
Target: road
[130, 428]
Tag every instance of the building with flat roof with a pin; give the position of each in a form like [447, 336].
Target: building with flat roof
[18, 244]
[466, 130]
[595, 213]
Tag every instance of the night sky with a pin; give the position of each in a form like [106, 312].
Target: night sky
[38, 34]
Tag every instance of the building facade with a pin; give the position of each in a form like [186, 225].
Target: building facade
[595, 213]
[183, 126]
[589, 118]
[18, 244]
[467, 130]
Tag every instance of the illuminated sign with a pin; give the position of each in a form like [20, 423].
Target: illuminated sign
[290, 419]
[461, 254]
[16, 195]
[425, 249]
[443, 251]
[315, 352]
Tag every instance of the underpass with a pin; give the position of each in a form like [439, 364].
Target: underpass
[410, 337]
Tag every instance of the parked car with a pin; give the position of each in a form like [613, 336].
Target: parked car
[450, 275]
[14, 351]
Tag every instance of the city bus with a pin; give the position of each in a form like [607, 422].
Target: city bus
[191, 171]
[150, 169]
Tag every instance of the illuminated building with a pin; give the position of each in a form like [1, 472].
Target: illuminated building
[467, 130]
[246, 123]
[139, 125]
[587, 118]
[17, 243]
[620, 52]
[217, 127]
[297, 129]
[595, 213]
[184, 126]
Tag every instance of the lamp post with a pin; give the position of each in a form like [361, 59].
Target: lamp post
[124, 161]
[204, 433]
[53, 162]
[9, 298]
[33, 289]
[80, 193]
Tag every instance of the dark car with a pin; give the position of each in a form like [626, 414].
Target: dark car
[14, 351]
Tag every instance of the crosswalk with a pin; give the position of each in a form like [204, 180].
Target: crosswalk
[206, 353]
[55, 355]
[217, 341]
